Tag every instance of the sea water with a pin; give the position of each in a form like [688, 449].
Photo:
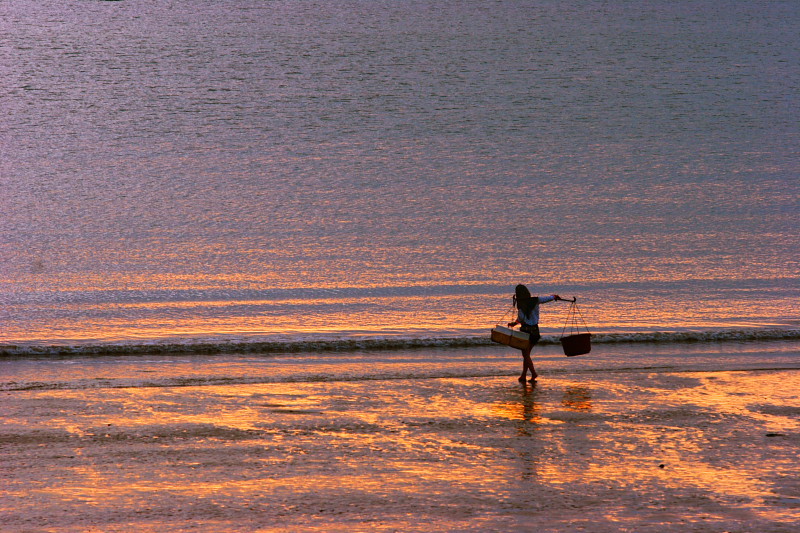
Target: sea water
[295, 173]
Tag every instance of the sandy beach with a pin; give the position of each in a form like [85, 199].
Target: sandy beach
[620, 450]
[252, 253]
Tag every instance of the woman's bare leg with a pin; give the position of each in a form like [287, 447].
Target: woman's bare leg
[534, 375]
[527, 363]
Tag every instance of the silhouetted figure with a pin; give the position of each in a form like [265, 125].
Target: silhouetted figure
[528, 318]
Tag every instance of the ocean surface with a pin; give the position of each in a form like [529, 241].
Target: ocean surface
[298, 176]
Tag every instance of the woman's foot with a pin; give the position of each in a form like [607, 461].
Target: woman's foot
[533, 377]
[522, 379]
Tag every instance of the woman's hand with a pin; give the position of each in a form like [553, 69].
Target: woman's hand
[557, 297]
[512, 324]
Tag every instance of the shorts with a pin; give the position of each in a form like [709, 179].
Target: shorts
[533, 331]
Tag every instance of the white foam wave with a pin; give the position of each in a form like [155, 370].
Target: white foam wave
[211, 347]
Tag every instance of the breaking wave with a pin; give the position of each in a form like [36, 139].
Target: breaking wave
[205, 347]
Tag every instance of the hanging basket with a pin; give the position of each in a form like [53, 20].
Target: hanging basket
[510, 337]
[576, 343]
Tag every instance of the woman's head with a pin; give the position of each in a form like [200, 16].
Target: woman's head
[523, 298]
[522, 293]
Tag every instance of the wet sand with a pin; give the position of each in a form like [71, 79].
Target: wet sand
[595, 451]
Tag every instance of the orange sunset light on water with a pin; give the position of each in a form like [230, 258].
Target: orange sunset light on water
[389, 315]
[251, 254]
[248, 446]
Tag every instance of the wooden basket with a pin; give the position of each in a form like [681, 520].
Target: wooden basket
[510, 337]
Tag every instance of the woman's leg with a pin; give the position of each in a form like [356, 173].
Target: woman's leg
[527, 363]
[535, 336]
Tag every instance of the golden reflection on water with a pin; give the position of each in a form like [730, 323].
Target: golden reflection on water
[668, 441]
[252, 318]
[577, 398]
[525, 410]
[51, 316]
[574, 398]
[707, 436]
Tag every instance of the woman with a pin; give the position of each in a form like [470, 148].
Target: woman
[528, 317]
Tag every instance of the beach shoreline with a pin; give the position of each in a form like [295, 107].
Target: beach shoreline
[253, 252]
[621, 450]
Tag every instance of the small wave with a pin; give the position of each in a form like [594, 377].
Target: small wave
[203, 381]
[189, 347]
[722, 335]
[262, 347]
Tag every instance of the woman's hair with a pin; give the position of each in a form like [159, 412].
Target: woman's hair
[523, 299]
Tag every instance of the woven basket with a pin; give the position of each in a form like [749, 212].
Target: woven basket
[577, 344]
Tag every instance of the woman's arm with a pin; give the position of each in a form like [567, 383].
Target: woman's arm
[552, 297]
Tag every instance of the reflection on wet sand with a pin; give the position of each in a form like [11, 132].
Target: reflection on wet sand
[607, 453]
[521, 408]
[691, 435]
[574, 398]
[577, 398]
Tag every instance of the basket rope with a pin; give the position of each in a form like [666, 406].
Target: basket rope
[573, 314]
[510, 310]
